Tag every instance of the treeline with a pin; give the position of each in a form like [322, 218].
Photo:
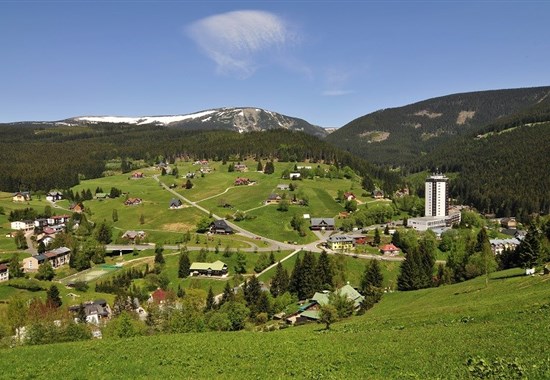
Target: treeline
[42, 157]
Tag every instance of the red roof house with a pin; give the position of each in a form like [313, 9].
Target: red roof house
[389, 249]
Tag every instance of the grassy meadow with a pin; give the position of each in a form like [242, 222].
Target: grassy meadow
[461, 331]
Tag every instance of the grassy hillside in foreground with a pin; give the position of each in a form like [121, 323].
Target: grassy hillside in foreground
[427, 334]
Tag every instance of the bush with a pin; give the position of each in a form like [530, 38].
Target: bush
[81, 286]
[27, 284]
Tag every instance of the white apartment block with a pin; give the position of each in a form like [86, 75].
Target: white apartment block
[437, 199]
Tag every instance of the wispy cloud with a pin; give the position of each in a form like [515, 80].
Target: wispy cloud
[237, 41]
[336, 81]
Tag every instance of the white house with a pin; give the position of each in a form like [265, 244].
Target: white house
[23, 225]
[4, 272]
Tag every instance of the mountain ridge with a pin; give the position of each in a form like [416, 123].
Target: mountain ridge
[239, 119]
[396, 136]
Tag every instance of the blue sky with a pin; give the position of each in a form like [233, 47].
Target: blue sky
[327, 62]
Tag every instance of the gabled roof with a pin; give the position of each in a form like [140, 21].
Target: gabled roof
[159, 295]
[320, 298]
[389, 247]
[340, 238]
[322, 221]
[351, 294]
[216, 265]
[221, 224]
[3, 267]
[39, 257]
[61, 251]
[175, 202]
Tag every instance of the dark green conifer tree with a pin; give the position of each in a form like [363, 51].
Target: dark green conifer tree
[280, 282]
[184, 265]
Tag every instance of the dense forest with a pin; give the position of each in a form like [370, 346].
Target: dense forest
[45, 156]
[504, 168]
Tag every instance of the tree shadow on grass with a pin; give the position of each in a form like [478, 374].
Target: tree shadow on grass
[506, 276]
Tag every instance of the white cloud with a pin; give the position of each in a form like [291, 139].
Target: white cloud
[235, 41]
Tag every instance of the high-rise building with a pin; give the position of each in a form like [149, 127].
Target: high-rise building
[437, 198]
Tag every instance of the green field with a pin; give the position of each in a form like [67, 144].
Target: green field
[166, 226]
[501, 330]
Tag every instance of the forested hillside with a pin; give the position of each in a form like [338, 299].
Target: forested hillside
[36, 156]
[504, 168]
[399, 136]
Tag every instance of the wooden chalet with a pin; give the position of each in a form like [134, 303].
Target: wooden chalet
[318, 224]
[133, 201]
[220, 227]
[217, 268]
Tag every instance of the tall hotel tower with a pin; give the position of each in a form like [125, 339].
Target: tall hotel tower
[437, 199]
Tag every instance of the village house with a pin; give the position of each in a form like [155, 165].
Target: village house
[318, 224]
[22, 225]
[389, 249]
[349, 196]
[175, 204]
[500, 245]
[159, 297]
[217, 268]
[21, 196]
[340, 242]
[509, 223]
[77, 207]
[56, 220]
[132, 235]
[54, 196]
[310, 311]
[359, 239]
[101, 196]
[95, 311]
[137, 175]
[4, 273]
[31, 264]
[45, 239]
[132, 201]
[241, 168]
[378, 194]
[283, 187]
[57, 257]
[201, 162]
[273, 199]
[220, 227]
[239, 181]
[41, 223]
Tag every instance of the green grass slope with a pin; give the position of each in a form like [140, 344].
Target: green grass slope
[501, 330]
